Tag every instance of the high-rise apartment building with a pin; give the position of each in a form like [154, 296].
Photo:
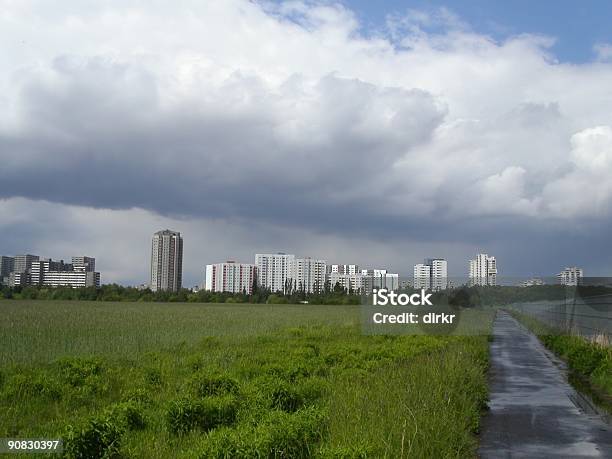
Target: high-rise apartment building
[87, 264]
[23, 263]
[166, 261]
[230, 277]
[273, 270]
[422, 276]
[350, 282]
[483, 270]
[307, 274]
[22, 267]
[6, 268]
[439, 273]
[570, 276]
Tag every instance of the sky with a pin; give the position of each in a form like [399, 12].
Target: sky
[376, 133]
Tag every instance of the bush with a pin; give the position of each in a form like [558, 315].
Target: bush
[280, 394]
[186, 414]
[128, 414]
[26, 386]
[77, 371]
[280, 434]
[99, 437]
[206, 384]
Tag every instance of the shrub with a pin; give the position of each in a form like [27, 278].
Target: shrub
[99, 437]
[77, 371]
[206, 384]
[280, 434]
[187, 414]
[22, 385]
[128, 414]
[280, 394]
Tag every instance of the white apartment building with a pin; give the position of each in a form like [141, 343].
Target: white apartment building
[422, 276]
[273, 270]
[570, 276]
[230, 277]
[483, 270]
[307, 274]
[350, 282]
[439, 273]
[46, 272]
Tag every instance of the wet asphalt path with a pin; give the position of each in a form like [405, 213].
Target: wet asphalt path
[531, 409]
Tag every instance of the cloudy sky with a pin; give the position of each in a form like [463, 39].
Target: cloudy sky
[356, 134]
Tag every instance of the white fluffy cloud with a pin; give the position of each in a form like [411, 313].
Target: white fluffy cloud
[288, 114]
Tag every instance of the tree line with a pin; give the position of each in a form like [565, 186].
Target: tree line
[461, 296]
[115, 292]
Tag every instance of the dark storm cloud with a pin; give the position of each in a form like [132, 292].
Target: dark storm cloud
[97, 136]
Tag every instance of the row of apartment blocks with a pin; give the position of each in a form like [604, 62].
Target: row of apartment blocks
[286, 273]
[23, 270]
[432, 274]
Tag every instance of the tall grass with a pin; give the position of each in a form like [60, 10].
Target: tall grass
[589, 359]
[184, 380]
[426, 406]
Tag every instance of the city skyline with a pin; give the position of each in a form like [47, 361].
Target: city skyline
[350, 130]
[166, 273]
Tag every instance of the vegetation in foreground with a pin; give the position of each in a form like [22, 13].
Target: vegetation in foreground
[309, 385]
[589, 360]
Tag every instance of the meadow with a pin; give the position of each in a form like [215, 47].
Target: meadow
[148, 380]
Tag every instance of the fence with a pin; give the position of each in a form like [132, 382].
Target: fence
[586, 316]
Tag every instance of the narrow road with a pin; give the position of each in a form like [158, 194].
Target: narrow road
[531, 409]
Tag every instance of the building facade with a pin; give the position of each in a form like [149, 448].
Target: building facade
[167, 261]
[273, 270]
[483, 270]
[352, 283]
[230, 277]
[87, 264]
[422, 276]
[379, 278]
[438, 273]
[49, 273]
[23, 263]
[570, 276]
[6, 268]
[307, 274]
[343, 269]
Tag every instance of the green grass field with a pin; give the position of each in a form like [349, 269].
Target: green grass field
[149, 380]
